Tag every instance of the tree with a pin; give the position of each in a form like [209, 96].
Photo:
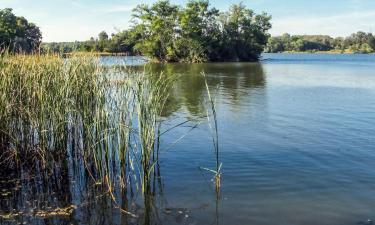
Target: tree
[275, 45]
[158, 25]
[102, 44]
[198, 33]
[194, 33]
[365, 48]
[125, 41]
[244, 33]
[371, 42]
[103, 36]
[17, 34]
[359, 42]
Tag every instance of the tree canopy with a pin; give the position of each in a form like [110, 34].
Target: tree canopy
[359, 42]
[197, 33]
[17, 34]
[194, 33]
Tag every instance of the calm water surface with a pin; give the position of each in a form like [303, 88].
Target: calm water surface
[297, 143]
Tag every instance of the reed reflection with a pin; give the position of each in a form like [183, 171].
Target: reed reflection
[109, 186]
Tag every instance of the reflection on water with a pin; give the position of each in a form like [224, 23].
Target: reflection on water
[297, 147]
[234, 80]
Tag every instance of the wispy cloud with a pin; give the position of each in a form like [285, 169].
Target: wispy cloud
[335, 25]
[116, 8]
[68, 20]
[103, 7]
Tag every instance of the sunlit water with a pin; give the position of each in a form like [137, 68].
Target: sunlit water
[297, 143]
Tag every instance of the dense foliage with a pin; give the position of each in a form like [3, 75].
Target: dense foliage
[359, 42]
[195, 33]
[17, 34]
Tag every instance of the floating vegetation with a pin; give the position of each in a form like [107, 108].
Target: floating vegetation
[67, 211]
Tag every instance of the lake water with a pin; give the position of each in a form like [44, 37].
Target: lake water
[297, 144]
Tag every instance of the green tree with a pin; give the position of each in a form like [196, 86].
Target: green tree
[371, 42]
[103, 36]
[125, 41]
[102, 44]
[275, 45]
[158, 25]
[17, 34]
[200, 31]
[244, 33]
[359, 42]
[193, 33]
[365, 48]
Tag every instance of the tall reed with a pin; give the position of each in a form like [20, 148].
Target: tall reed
[39, 96]
[55, 110]
[152, 93]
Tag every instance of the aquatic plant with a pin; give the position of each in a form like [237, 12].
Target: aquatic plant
[40, 95]
[75, 112]
[101, 125]
[213, 125]
[151, 96]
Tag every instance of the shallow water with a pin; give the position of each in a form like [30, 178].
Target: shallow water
[297, 140]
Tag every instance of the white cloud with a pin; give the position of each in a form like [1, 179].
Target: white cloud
[104, 7]
[336, 25]
[116, 8]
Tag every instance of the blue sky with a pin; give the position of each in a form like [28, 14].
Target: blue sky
[69, 20]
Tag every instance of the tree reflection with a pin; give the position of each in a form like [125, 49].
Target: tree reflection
[92, 203]
[234, 81]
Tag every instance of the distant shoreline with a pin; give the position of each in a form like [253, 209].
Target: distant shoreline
[321, 52]
[286, 52]
[100, 53]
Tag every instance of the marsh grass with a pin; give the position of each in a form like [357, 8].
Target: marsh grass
[39, 96]
[76, 113]
[101, 122]
[152, 93]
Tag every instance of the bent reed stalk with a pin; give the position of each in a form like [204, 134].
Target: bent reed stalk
[57, 111]
[212, 120]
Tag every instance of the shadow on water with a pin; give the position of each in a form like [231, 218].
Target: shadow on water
[68, 194]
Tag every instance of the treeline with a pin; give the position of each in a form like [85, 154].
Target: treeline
[17, 34]
[194, 33]
[122, 42]
[359, 42]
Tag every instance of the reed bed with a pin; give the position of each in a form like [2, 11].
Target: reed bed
[77, 113]
[40, 96]
[93, 121]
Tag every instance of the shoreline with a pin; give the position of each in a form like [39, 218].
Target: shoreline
[322, 52]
